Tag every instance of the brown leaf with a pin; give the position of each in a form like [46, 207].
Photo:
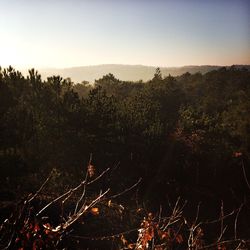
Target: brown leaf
[124, 241]
[131, 246]
[179, 239]
[91, 170]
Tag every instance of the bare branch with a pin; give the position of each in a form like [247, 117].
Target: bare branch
[71, 191]
[84, 187]
[126, 190]
[98, 177]
[222, 229]
[236, 221]
[245, 175]
[82, 210]
[41, 188]
[109, 237]
[224, 243]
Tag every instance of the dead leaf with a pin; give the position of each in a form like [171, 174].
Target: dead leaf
[95, 210]
[91, 170]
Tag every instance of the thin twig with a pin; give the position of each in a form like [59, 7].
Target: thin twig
[160, 211]
[98, 177]
[83, 210]
[175, 216]
[197, 213]
[222, 229]
[126, 190]
[41, 188]
[236, 221]
[224, 243]
[71, 191]
[218, 220]
[105, 237]
[245, 175]
[84, 189]
[90, 158]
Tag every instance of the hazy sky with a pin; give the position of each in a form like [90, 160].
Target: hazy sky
[60, 33]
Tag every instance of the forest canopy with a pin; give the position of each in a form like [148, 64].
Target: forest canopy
[168, 128]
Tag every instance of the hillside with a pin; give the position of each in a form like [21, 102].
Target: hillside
[124, 72]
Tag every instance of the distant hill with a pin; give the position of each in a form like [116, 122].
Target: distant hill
[124, 72]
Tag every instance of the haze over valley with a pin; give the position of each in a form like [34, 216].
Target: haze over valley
[123, 72]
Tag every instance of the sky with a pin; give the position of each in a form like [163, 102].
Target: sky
[61, 33]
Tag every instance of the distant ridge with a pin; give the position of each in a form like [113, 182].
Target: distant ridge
[125, 72]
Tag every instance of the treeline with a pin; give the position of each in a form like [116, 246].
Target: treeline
[183, 135]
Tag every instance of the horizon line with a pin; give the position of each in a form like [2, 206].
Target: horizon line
[121, 64]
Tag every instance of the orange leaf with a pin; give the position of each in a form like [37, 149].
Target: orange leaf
[179, 239]
[165, 235]
[131, 246]
[95, 210]
[36, 227]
